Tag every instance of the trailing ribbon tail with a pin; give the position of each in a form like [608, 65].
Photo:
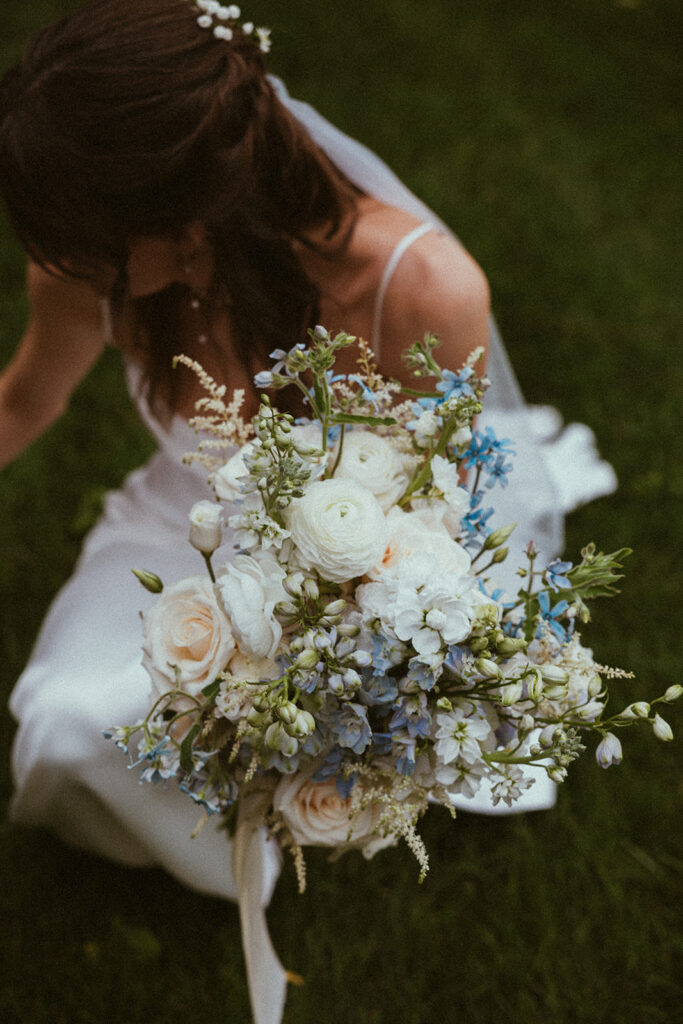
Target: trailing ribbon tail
[266, 976]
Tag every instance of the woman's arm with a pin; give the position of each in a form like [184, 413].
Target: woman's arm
[436, 287]
[63, 340]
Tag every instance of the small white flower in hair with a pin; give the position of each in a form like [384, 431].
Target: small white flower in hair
[264, 39]
[214, 12]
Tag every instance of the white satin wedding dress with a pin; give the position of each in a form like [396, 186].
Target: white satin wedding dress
[85, 673]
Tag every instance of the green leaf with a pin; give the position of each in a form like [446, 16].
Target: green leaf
[372, 421]
[415, 393]
[186, 748]
[211, 689]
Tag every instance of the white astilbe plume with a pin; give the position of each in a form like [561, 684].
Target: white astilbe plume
[223, 421]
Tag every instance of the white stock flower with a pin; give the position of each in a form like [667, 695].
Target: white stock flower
[316, 815]
[186, 630]
[206, 526]
[420, 602]
[250, 586]
[459, 735]
[373, 462]
[338, 528]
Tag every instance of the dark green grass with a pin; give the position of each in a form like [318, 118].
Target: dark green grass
[547, 135]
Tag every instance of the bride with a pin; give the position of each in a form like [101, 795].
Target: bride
[171, 197]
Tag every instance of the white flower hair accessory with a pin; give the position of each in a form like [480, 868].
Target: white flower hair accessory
[222, 20]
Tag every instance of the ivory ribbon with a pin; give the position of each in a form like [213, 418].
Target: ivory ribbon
[266, 976]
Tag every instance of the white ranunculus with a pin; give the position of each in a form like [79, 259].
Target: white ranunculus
[250, 586]
[421, 530]
[316, 815]
[186, 630]
[338, 528]
[373, 462]
[206, 526]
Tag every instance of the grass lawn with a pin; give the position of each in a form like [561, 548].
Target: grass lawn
[548, 135]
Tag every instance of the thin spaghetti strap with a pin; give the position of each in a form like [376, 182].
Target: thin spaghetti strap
[393, 262]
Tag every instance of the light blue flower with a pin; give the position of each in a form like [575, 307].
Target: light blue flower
[551, 615]
[411, 714]
[498, 472]
[455, 384]
[366, 393]
[350, 727]
[555, 574]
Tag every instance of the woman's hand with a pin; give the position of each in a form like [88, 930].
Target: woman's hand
[63, 340]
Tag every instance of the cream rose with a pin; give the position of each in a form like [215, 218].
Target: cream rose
[250, 586]
[186, 632]
[373, 462]
[338, 528]
[316, 815]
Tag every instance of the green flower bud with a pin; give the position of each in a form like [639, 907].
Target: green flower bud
[307, 659]
[511, 693]
[554, 674]
[149, 580]
[556, 773]
[310, 588]
[510, 645]
[662, 729]
[534, 686]
[287, 712]
[286, 608]
[499, 556]
[335, 607]
[673, 693]
[444, 704]
[257, 718]
[488, 668]
[478, 644]
[594, 685]
[498, 537]
[555, 692]
[348, 629]
[275, 735]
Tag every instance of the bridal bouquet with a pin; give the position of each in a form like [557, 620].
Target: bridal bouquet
[353, 659]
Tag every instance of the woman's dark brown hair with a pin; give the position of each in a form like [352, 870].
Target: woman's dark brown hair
[128, 120]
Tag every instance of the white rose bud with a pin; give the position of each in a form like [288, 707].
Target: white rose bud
[206, 526]
[662, 729]
[609, 751]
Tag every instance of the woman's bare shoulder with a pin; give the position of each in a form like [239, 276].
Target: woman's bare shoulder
[437, 287]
